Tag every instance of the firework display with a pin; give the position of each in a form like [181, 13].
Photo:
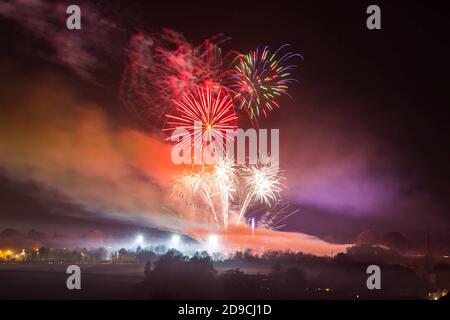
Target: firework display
[164, 66]
[173, 84]
[187, 151]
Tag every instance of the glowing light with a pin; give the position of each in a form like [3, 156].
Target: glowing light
[213, 239]
[139, 240]
[176, 241]
[213, 243]
[175, 238]
[253, 227]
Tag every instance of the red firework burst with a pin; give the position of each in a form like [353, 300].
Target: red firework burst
[204, 112]
[164, 65]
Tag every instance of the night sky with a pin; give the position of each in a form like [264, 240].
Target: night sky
[364, 139]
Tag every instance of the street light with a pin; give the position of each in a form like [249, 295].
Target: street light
[176, 241]
[140, 239]
[213, 243]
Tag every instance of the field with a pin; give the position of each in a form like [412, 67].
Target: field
[105, 281]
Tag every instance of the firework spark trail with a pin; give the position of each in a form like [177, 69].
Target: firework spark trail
[273, 217]
[195, 187]
[225, 173]
[260, 78]
[206, 189]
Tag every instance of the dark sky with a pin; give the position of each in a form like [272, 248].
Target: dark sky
[364, 138]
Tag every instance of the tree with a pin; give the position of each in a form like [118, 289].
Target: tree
[100, 254]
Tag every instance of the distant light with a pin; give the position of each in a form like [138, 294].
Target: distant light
[176, 240]
[253, 227]
[140, 239]
[213, 239]
[213, 244]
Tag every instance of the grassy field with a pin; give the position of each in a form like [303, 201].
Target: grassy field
[106, 281]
